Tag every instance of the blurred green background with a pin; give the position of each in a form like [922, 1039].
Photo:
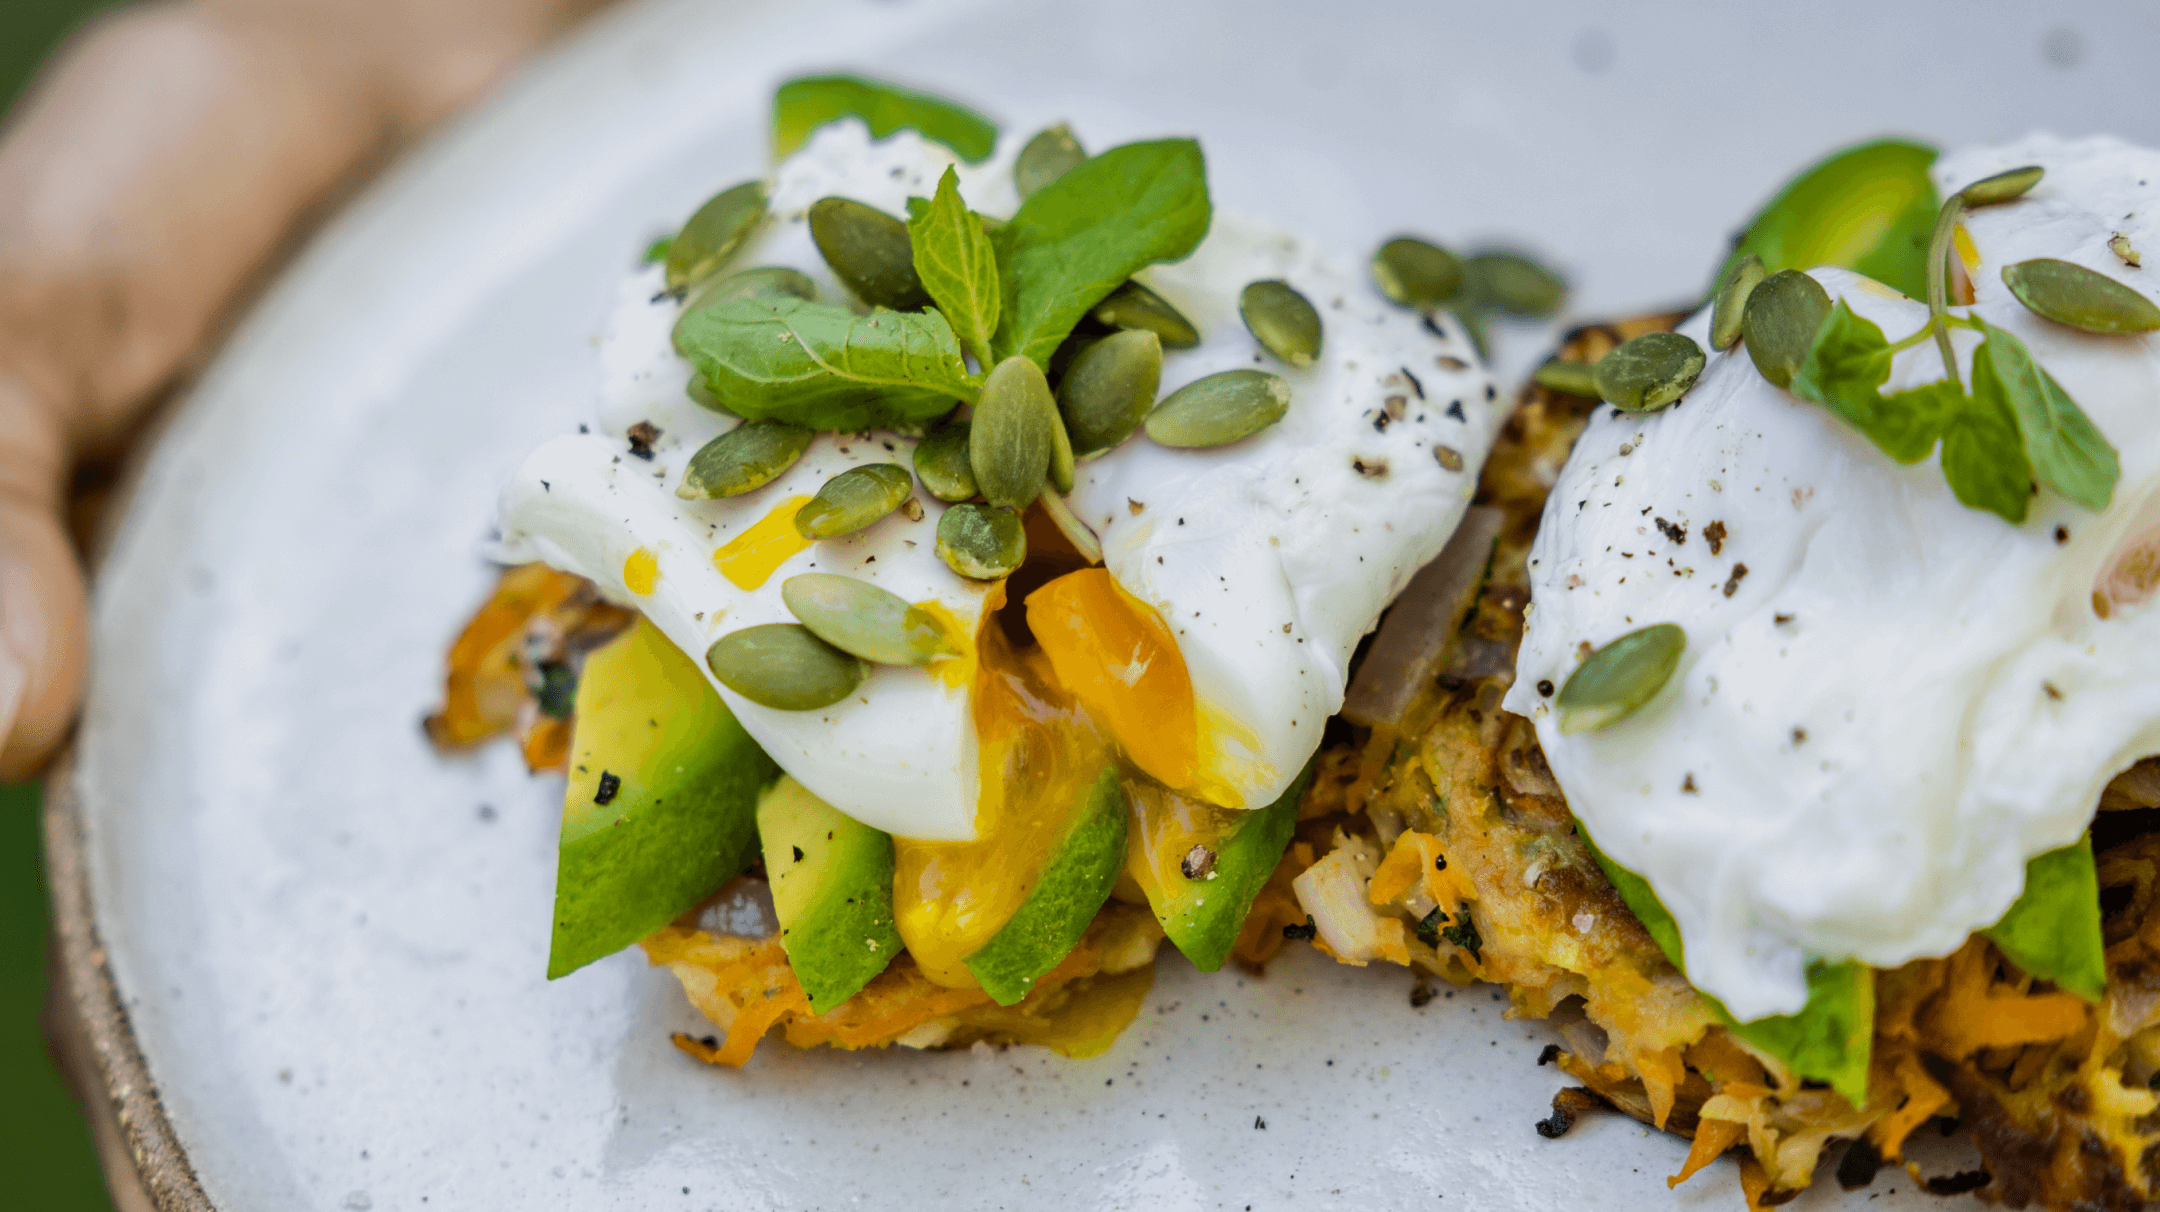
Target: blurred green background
[47, 1161]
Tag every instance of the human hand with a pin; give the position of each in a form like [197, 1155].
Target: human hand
[159, 171]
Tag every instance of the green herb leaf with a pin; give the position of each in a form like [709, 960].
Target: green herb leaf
[823, 366]
[2053, 931]
[957, 265]
[1981, 455]
[1869, 209]
[803, 105]
[2066, 450]
[1844, 372]
[1832, 1037]
[657, 251]
[1079, 237]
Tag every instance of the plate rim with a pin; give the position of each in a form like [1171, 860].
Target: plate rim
[83, 986]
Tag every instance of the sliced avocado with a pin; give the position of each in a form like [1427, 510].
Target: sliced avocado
[1083, 867]
[1869, 208]
[1203, 915]
[661, 805]
[832, 887]
[2053, 930]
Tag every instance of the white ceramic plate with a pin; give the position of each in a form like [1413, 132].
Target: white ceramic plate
[329, 941]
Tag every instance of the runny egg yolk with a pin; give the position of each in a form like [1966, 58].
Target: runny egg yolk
[1038, 755]
[750, 558]
[1117, 657]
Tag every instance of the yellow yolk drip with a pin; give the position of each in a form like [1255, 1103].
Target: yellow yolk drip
[1118, 658]
[640, 572]
[750, 557]
[1038, 755]
[954, 672]
[1161, 828]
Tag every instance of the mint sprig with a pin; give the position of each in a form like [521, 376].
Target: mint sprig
[805, 104]
[1080, 237]
[821, 365]
[2015, 427]
[957, 265]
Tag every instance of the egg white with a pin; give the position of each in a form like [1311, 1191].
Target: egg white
[1269, 558]
[1900, 700]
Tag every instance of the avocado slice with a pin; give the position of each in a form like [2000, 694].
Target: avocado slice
[832, 886]
[1203, 915]
[1083, 867]
[660, 810]
[1869, 208]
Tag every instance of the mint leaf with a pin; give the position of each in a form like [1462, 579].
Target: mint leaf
[1079, 237]
[1833, 1036]
[803, 105]
[2053, 931]
[2067, 451]
[822, 365]
[957, 265]
[1844, 372]
[1982, 456]
[1868, 208]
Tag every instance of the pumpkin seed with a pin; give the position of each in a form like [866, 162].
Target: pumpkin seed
[1648, 372]
[1779, 324]
[1049, 155]
[1568, 378]
[1282, 320]
[869, 252]
[941, 461]
[1010, 442]
[1219, 409]
[713, 234]
[751, 455]
[1061, 454]
[1619, 678]
[1135, 306]
[2002, 187]
[1417, 274]
[1514, 284]
[854, 499]
[784, 666]
[981, 542]
[860, 618]
[1731, 305]
[2120, 245]
[2069, 293]
[1107, 391]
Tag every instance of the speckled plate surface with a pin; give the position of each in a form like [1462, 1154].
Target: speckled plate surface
[313, 949]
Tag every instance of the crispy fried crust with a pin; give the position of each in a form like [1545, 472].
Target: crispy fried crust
[2052, 1089]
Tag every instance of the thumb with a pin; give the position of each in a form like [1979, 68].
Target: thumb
[43, 633]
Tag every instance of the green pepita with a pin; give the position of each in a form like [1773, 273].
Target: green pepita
[751, 455]
[1568, 378]
[1417, 274]
[1135, 306]
[1219, 409]
[783, 666]
[1619, 678]
[1281, 320]
[1049, 155]
[1011, 442]
[869, 252]
[712, 235]
[1648, 372]
[2085, 299]
[860, 618]
[1061, 456]
[854, 499]
[1514, 285]
[2002, 187]
[1731, 305]
[941, 462]
[1109, 388]
[982, 542]
[1779, 324]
